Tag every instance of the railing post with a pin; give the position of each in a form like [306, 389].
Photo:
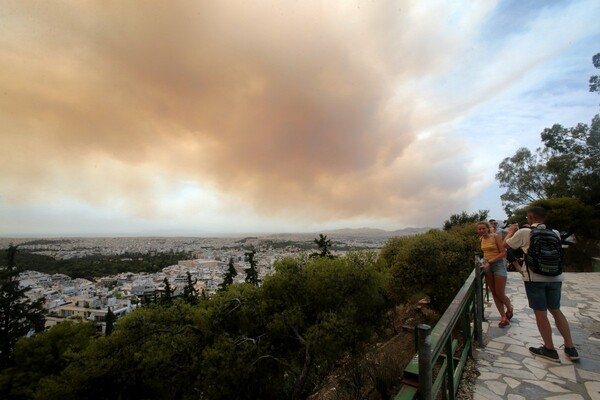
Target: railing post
[425, 363]
[478, 305]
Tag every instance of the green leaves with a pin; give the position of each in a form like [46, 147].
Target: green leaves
[567, 215]
[464, 218]
[271, 342]
[567, 166]
[44, 355]
[251, 272]
[18, 314]
[525, 177]
[323, 244]
[595, 79]
[229, 275]
[435, 264]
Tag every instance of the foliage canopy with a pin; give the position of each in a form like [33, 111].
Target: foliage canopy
[18, 314]
[271, 342]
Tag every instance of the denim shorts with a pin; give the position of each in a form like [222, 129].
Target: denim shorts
[498, 269]
[543, 296]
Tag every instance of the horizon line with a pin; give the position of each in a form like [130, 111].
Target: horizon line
[191, 233]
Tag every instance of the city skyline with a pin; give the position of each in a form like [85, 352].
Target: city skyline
[228, 117]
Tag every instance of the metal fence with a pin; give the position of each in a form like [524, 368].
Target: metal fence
[442, 353]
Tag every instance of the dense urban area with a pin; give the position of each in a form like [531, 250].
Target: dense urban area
[205, 260]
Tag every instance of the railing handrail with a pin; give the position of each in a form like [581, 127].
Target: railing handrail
[468, 303]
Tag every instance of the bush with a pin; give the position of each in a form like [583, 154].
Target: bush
[435, 263]
[270, 342]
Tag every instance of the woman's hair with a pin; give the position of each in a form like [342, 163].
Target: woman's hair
[486, 224]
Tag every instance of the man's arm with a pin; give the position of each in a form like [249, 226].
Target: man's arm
[514, 240]
[509, 241]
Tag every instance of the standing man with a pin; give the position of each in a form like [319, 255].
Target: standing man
[543, 291]
[494, 225]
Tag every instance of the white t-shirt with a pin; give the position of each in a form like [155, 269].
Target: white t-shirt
[520, 240]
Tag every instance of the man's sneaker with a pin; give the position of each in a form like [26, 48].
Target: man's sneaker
[503, 322]
[542, 351]
[572, 353]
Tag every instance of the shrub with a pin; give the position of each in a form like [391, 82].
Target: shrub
[435, 263]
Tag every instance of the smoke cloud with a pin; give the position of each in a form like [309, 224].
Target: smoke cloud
[299, 110]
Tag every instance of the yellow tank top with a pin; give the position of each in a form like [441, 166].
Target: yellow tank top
[489, 247]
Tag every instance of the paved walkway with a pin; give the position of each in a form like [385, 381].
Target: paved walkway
[509, 371]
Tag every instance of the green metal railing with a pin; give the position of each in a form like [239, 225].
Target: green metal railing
[438, 350]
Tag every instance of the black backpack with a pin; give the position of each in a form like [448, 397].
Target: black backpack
[545, 254]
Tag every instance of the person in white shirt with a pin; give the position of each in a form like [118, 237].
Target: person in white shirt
[543, 292]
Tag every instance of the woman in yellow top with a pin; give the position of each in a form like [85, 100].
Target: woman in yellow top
[495, 270]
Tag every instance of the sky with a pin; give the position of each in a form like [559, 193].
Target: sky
[230, 116]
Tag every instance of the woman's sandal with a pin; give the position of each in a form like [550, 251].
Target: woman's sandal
[509, 314]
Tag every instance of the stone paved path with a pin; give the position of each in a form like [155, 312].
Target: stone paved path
[509, 371]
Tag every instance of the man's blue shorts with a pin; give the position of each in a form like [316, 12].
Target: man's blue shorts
[543, 296]
[510, 255]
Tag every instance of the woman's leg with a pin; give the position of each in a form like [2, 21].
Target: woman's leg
[490, 278]
[500, 286]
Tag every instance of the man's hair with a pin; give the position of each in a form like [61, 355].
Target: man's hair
[538, 212]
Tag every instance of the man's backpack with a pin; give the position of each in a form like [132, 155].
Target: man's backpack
[545, 253]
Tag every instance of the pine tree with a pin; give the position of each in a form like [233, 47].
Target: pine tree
[252, 273]
[229, 275]
[110, 322]
[323, 244]
[167, 298]
[190, 294]
[18, 314]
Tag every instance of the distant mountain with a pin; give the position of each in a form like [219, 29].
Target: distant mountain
[410, 231]
[358, 231]
[372, 232]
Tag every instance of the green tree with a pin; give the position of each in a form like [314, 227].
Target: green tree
[595, 79]
[464, 218]
[574, 160]
[110, 322]
[18, 315]
[318, 310]
[323, 245]
[247, 342]
[567, 166]
[190, 294]
[578, 224]
[167, 295]
[237, 323]
[229, 275]
[435, 263]
[97, 265]
[567, 215]
[153, 353]
[43, 356]
[252, 272]
[525, 177]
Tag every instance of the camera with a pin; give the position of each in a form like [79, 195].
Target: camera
[520, 226]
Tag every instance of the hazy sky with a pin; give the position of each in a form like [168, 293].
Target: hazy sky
[178, 117]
